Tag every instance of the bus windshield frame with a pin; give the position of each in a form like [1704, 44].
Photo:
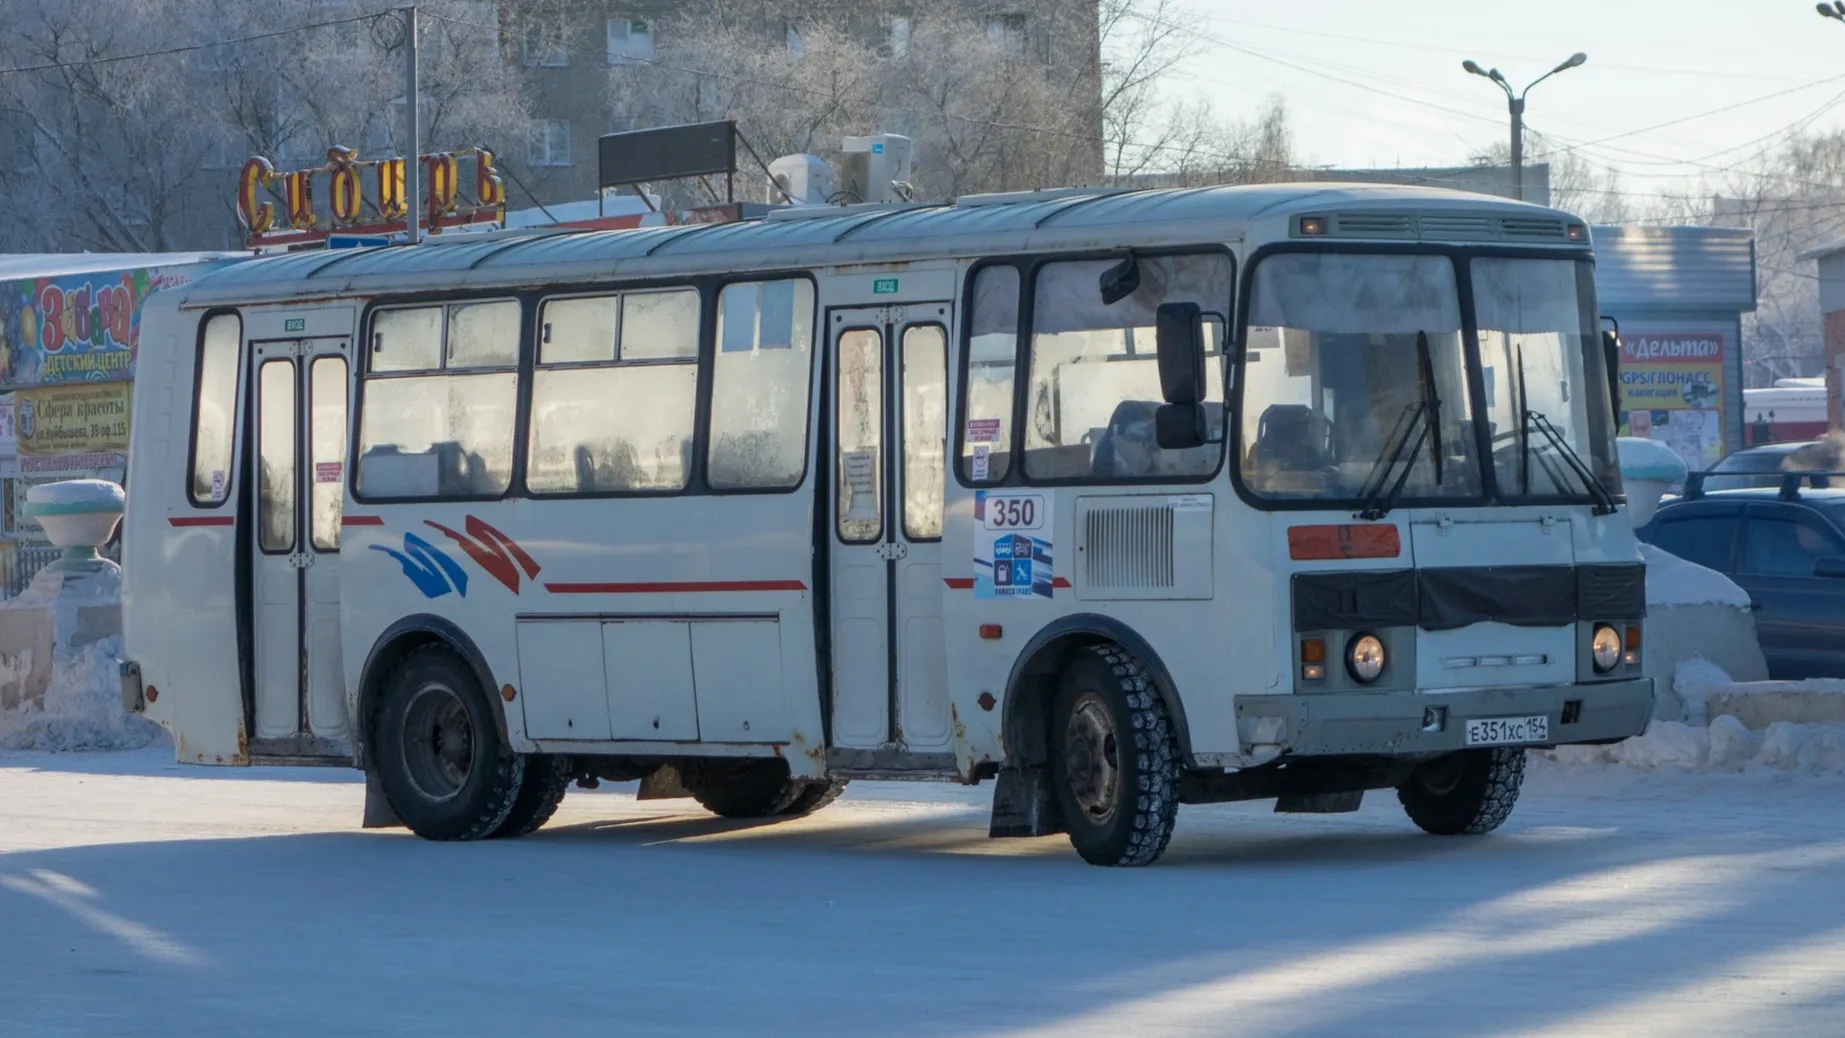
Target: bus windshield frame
[1397, 328]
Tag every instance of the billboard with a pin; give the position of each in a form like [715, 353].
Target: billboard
[78, 327]
[1672, 391]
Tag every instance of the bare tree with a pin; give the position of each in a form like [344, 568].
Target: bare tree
[1049, 93]
[116, 152]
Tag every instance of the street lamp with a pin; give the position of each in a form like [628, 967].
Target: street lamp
[1516, 103]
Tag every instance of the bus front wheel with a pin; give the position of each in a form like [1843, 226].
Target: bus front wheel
[1114, 759]
[438, 752]
[1466, 793]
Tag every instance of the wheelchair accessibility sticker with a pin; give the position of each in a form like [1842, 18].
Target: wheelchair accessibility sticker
[1012, 545]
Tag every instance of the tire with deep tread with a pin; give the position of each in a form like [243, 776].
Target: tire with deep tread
[742, 788]
[547, 779]
[814, 796]
[1107, 683]
[1467, 793]
[494, 774]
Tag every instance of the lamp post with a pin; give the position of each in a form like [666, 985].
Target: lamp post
[1515, 102]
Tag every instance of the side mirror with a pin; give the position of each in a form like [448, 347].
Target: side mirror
[1829, 566]
[1611, 357]
[1179, 343]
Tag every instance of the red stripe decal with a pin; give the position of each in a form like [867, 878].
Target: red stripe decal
[965, 583]
[202, 520]
[667, 587]
[361, 520]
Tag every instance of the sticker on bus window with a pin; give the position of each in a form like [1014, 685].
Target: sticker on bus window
[328, 471]
[1012, 545]
[983, 430]
[981, 465]
[217, 484]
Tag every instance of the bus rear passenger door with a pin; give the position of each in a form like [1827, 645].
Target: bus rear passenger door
[301, 394]
[888, 379]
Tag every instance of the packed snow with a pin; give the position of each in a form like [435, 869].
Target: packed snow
[1672, 581]
[83, 704]
[142, 897]
[1649, 461]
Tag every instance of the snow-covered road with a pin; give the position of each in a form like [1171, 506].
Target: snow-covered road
[137, 897]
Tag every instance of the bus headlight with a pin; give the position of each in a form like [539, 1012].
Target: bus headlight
[1364, 658]
[1605, 648]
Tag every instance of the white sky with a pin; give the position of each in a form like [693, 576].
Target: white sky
[1406, 102]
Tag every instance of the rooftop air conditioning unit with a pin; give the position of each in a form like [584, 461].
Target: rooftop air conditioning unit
[876, 169]
[800, 180]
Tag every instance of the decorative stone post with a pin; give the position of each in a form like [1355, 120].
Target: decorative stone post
[61, 640]
[79, 515]
[1648, 469]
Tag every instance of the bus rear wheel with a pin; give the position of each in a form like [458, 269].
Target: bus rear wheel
[1466, 793]
[439, 755]
[1114, 759]
[746, 787]
[814, 796]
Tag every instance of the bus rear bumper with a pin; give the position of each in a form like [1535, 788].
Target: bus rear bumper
[1416, 723]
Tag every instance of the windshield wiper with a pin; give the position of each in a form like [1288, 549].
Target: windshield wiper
[1417, 417]
[1604, 501]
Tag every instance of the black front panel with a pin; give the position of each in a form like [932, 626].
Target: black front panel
[1449, 597]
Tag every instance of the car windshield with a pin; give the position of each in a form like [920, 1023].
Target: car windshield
[1541, 366]
[1349, 358]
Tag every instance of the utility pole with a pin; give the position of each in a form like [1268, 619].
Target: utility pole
[413, 163]
[1515, 103]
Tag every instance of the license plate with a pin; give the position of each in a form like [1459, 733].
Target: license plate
[1500, 731]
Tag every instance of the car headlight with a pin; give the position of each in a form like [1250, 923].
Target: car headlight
[1364, 657]
[1605, 648]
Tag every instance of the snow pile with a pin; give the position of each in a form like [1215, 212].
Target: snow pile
[1810, 749]
[82, 708]
[1672, 581]
[1726, 744]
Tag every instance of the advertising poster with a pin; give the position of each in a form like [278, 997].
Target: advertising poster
[1672, 392]
[80, 419]
[78, 327]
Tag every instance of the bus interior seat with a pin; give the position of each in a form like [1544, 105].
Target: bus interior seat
[1291, 439]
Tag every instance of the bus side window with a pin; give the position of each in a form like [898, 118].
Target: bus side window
[614, 396]
[214, 409]
[760, 385]
[439, 401]
[992, 360]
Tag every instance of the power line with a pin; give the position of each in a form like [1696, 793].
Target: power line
[169, 51]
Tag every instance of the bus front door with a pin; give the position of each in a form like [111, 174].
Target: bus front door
[300, 389]
[888, 380]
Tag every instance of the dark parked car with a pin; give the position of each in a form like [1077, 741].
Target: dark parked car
[1785, 546]
[1755, 467]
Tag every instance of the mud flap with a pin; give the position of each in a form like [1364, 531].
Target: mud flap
[1023, 804]
[663, 783]
[378, 812]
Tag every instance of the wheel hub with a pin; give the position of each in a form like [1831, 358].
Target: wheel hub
[438, 740]
[1092, 765]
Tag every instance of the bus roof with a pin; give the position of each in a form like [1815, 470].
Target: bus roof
[970, 226]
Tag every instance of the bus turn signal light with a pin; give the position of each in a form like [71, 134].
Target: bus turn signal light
[991, 632]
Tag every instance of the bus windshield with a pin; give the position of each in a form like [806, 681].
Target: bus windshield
[1353, 359]
[1350, 358]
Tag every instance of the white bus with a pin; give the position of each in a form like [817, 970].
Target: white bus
[966, 491]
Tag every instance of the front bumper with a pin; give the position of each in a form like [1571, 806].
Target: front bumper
[1312, 725]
